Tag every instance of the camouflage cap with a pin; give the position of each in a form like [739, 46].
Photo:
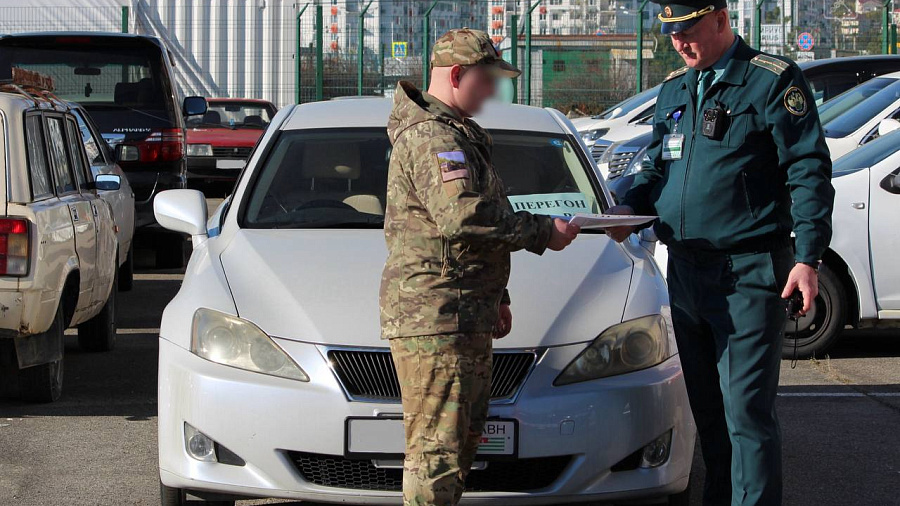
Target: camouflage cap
[465, 46]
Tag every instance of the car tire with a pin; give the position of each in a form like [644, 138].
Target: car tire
[126, 272]
[170, 496]
[825, 323]
[680, 499]
[99, 333]
[43, 383]
[170, 252]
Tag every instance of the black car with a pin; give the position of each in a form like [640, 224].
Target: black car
[830, 77]
[124, 81]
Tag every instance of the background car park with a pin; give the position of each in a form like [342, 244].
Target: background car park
[97, 444]
[124, 82]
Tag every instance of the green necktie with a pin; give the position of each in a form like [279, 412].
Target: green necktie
[706, 79]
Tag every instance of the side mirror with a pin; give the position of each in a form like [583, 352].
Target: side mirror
[887, 126]
[110, 182]
[182, 211]
[126, 153]
[194, 106]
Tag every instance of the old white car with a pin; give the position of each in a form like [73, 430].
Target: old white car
[273, 378]
[57, 241]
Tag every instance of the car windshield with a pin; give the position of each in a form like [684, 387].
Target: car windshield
[867, 155]
[233, 114]
[630, 104]
[337, 178]
[854, 118]
[842, 103]
[111, 83]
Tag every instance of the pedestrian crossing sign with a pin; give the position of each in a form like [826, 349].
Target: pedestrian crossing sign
[398, 49]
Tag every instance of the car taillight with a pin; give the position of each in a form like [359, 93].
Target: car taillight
[165, 145]
[13, 247]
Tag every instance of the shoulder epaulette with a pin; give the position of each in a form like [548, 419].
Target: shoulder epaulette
[770, 63]
[676, 73]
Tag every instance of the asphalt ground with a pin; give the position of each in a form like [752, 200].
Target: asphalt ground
[97, 445]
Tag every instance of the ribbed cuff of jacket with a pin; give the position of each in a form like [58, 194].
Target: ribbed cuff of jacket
[544, 225]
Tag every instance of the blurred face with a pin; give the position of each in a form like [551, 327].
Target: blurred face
[700, 46]
[472, 86]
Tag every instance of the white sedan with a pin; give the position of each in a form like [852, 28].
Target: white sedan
[852, 118]
[273, 378]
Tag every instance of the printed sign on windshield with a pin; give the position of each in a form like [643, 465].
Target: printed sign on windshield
[556, 204]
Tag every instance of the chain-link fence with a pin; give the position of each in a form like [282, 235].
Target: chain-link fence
[578, 56]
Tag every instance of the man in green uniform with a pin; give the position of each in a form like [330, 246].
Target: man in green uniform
[737, 162]
[449, 231]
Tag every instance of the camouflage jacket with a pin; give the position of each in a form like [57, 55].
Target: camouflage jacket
[448, 225]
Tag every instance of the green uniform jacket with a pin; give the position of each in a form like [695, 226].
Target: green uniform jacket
[448, 225]
[735, 192]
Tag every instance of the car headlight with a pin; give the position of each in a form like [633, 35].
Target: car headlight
[626, 347]
[592, 135]
[605, 157]
[199, 150]
[637, 163]
[231, 341]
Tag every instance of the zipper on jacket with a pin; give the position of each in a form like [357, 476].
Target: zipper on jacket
[687, 161]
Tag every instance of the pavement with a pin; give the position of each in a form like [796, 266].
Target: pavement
[97, 445]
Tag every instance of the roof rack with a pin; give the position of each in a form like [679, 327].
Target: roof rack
[32, 85]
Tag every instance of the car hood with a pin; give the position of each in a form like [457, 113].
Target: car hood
[240, 137]
[322, 286]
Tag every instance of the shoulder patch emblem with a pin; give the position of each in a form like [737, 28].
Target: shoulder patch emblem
[676, 73]
[795, 101]
[453, 165]
[769, 63]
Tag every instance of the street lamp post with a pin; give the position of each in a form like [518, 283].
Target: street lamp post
[531, 8]
[361, 48]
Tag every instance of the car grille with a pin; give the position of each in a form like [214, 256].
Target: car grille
[231, 152]
[598, 149]
[371, 375]
[618, 162]
[501, 476]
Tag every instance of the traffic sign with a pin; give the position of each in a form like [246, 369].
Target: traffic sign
[398, 49]
[805, 41]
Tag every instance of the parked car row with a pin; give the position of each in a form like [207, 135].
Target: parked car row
[858, 102]
[113, 95]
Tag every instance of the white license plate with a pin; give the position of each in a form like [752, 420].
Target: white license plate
[230, 164]
[373, 437]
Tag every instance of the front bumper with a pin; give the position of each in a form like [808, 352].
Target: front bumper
[266, 420]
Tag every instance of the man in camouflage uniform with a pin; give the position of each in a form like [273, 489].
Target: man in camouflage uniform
[449, 230]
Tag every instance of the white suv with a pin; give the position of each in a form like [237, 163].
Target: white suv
[57, 242]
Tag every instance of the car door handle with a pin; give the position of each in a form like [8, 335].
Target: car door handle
[74, 213]
[858, 205]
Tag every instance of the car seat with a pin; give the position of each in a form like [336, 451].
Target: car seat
[331, 169]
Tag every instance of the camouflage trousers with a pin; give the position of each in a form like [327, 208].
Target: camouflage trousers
[445, 384]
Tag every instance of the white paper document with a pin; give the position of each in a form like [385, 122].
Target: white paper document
[595, 221]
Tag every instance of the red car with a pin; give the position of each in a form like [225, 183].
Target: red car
[219, 142]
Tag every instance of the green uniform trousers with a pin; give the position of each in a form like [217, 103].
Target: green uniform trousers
[729, 321]
[445, 384]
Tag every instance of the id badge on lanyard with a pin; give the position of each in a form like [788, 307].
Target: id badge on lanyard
[673, 143]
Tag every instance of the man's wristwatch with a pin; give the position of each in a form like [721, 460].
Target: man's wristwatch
[814, 265]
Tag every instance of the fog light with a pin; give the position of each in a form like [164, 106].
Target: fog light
[656, 453]
[199, 445]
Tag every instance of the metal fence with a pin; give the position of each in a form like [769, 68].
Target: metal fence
[577, 55]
